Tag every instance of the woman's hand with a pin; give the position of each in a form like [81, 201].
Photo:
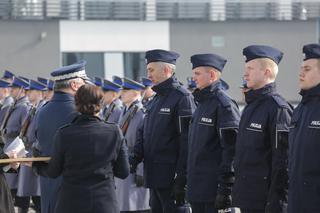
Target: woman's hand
[14, 165]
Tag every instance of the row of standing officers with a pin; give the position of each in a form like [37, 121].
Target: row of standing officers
[196, 146]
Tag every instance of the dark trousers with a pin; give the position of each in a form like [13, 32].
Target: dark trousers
[24, 202]
[162, 200]
[141, 211]
[204, 207]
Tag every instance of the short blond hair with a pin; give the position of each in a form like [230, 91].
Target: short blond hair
[266, 63]
[209, 69]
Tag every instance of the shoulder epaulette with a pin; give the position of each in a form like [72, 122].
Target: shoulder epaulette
[281, 102]
[182, 90]
[223, 98]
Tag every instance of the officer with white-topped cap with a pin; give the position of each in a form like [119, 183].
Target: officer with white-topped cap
[56, 113]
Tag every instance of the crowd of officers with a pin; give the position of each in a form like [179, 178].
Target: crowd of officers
[183, 145]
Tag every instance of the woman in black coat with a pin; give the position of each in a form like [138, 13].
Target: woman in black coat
[6, 203]
[88, 153]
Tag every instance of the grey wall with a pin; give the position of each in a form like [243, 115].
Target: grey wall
[190, 38]
[24, 52]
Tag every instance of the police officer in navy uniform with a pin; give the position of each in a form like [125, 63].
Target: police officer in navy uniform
[304, 170]
[212, 138]
[162, 144]
[112, 105]
[262, 142]
[131, 194]
[59, 111]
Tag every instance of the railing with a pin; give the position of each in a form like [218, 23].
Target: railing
[210, 10]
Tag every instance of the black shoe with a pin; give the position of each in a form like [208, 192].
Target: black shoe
[23, 210]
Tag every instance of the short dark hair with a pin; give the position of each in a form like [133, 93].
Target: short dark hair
[88, 99]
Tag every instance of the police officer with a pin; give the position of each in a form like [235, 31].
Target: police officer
[12, 121]
[56, 113]
[131, 194]
[261, 147]
[16, 112]
[6, 100]
[213, 133]
[28, 182]
[147, 94]
[304, 171]
[112, 106]
[163, 144]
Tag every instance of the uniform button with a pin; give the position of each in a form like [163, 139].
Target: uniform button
[304, 183]
[265, 178]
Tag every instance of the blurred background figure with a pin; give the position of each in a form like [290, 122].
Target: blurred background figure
[112, 105]
[131, 194]
[191, 84]
[147, 93]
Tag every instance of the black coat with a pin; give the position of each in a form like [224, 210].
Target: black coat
[163, 141]
[6, 203]
[261, 151]
[304, 158]
[59, 111]
[210, 157]
[88, 153]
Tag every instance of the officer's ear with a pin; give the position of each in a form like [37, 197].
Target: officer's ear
[268, 73]
[167, 70]
[215, 74]
[73, 86]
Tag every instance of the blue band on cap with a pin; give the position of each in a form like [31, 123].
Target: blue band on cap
[108, 85]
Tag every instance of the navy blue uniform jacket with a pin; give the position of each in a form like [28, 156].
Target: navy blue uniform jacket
[261, 151]
[164, 138]
[210, 157]
[304, 154]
